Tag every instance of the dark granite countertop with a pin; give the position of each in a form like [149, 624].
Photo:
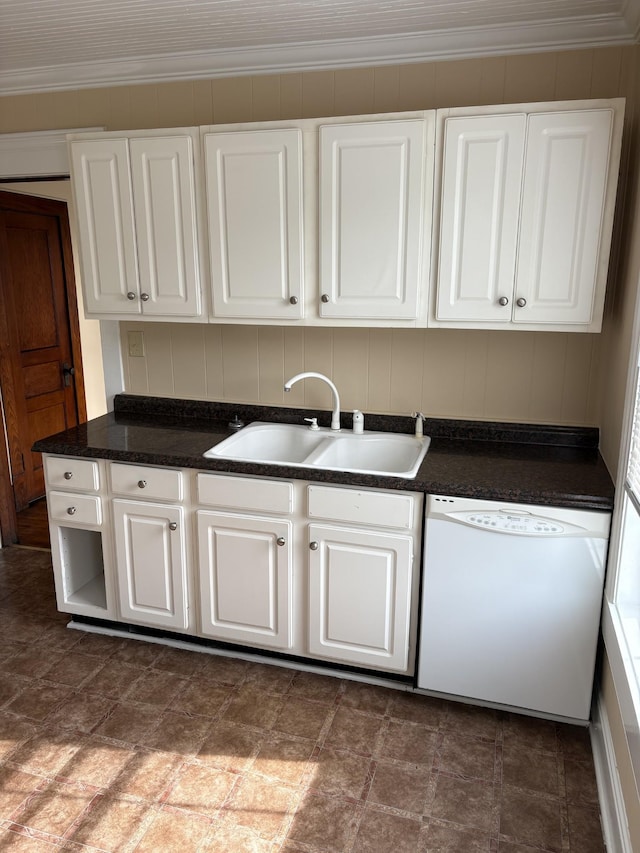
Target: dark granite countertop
[549, 465]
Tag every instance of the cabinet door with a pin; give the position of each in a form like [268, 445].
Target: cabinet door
[151, 560]
[165, 220]
[371, 217]
[561, 223]
[104, 204]
[245, 579]
[480, 197]
[360, 597]
[254, 202]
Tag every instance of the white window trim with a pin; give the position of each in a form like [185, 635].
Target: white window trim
[625, 671]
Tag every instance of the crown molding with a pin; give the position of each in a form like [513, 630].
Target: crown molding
[42, 153]
[458, 43]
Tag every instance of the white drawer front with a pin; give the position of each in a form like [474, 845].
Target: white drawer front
[361, 507]
[75, 474]
[140, 481]
[74, 509]
[245, 493]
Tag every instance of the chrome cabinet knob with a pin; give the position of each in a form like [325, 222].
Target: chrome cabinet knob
[293, 300]
[142, 484]
[324, 298]
[68, 475]
[503, 301]
[281, 541]
[71, 510]
[173, 525]
[144, 297]
[521, 302]
[131, 296]
[313, 546]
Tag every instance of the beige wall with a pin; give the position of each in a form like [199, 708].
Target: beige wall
[511, 376]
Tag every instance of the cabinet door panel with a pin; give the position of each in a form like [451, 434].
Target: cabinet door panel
[563, 200]
[165, 214]
[151, 563]
[254, 199]
[104, 203]
[245, 579]
[360, 597]
[480, 198]
[371, 197]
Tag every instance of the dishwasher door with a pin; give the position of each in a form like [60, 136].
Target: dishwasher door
[511, 603]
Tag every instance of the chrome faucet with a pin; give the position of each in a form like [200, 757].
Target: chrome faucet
[335, 415]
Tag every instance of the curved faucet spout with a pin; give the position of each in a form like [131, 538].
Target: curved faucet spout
[335, 415]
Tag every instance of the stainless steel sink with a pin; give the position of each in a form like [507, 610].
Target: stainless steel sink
[381, 453]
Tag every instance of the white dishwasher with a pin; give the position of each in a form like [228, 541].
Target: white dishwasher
[511, 601]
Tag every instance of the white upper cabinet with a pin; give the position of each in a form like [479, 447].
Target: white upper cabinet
[482, 167]
[372, 205]
[104, 204]
[526, 211]
[137, 224]
[254, 206]
[561, 222]
[165, 219]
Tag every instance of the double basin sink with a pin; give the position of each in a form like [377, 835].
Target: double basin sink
[380, 453]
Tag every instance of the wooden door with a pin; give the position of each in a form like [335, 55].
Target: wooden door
[40, 365]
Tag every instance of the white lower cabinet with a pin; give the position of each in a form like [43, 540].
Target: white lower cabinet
[151, 561]
[360, 586]
[80, 549]
[246, 579]
[316, 571]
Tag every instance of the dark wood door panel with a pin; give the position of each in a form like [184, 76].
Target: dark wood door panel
[39, 334]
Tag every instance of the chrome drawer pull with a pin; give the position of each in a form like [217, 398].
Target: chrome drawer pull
[313, 546]
[281, 541]
[131, 296]
[521, 302]
[68, 475]
[142, 484]
[173, 525]
[71, 510]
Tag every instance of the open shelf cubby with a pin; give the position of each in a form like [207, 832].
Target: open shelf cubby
[82, 566]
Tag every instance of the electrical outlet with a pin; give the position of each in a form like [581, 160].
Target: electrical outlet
[136, 344]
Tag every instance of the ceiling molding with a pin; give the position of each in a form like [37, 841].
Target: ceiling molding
[458, 43]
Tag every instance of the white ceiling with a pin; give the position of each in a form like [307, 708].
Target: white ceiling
[62, 44]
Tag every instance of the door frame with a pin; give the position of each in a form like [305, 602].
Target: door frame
[35, 204]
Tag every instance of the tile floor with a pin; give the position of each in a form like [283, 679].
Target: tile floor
[119, 745]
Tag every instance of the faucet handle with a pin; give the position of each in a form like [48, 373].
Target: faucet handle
[313, 423]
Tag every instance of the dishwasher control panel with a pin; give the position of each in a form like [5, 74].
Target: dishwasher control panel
[506, 522]
[517, 519]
